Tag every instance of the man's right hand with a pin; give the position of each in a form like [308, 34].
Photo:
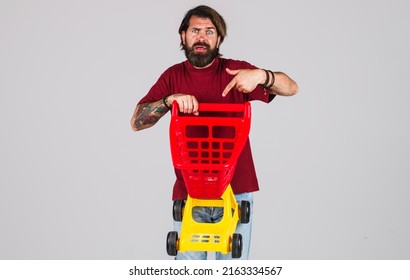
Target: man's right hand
[188, 104]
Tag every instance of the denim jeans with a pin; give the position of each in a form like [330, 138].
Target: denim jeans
[213, 215]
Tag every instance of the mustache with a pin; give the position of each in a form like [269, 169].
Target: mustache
[201, 45]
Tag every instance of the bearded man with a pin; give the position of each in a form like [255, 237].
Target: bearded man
[206, 77]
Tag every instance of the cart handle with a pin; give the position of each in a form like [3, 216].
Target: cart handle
[218, 107]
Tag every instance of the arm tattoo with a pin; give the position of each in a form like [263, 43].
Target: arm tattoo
[149, 113]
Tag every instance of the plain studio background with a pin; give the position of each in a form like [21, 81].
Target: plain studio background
[333, 161]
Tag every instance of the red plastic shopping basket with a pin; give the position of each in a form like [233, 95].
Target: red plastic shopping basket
[206, 147]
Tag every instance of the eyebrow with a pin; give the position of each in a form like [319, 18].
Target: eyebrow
[207, 28]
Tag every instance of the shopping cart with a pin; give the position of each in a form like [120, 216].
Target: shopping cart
[206, 148]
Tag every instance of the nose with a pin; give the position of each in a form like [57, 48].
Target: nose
[201, 36]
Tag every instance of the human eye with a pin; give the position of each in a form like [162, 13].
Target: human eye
[209, 32]
[195, 30]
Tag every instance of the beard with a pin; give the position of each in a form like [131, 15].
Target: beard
[201, 59]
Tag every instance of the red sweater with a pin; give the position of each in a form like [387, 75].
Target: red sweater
[207, 86]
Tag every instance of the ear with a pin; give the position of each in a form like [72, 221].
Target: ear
[183, 37]
[218, 41]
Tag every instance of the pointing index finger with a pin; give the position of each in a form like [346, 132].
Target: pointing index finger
[229, 87]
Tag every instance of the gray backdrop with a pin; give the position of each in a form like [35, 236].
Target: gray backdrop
[333, 161]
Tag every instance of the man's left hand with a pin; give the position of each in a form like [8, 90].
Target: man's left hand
[245, 80]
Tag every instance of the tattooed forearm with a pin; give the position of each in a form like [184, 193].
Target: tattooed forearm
[147, 114]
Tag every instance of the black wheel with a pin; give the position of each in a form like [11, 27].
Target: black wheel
[172, 239]
[177, 210]
[245, 212]
[236, 245]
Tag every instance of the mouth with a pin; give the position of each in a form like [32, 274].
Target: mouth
[200, 48]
